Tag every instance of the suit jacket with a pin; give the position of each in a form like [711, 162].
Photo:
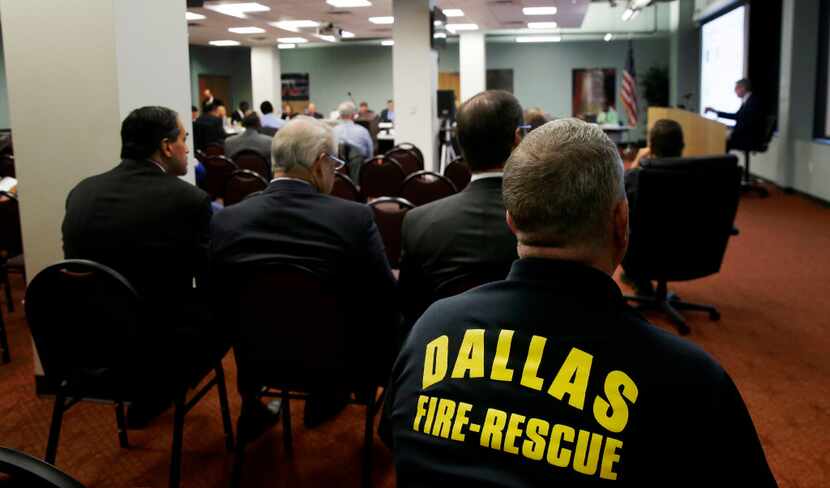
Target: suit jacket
[237, 116]
[249, 140]
[384, 115]
[150, 226]
[207, 129]
[460, 236]
[750, 124]
[291, 222]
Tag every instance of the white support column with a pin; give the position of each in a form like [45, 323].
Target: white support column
[73, 75]
[415, 78]
[266, 76]
[472, 63]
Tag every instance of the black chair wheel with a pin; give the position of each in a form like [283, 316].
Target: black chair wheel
[714, 315]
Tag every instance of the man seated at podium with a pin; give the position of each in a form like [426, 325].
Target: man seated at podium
[608, 116]
[749, 119]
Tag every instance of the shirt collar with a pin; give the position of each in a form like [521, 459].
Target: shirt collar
[289, 178]
[487, 174]
[162, 168]
[746, 97]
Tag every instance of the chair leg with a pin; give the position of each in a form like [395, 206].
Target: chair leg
[8, 286]
[368, 438]
[5, 354]
[748, 184]
[120, 420]
[223, 405]
[55, 426]
[286, 423]
[178, 433]
[676, 318]
[713, 312]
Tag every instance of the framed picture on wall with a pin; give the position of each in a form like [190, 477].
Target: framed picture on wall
[295, 87]
[593, 89]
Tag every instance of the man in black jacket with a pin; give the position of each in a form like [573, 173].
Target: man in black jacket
[463, 239]
[144, 222]
[208, 128]
[548, 378]
[750, 124]
[296, 221]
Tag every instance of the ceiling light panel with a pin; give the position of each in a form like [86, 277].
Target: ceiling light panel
[224, 42]
[286, 46]
[292, 40]
[193, 16]
[349, 3]
[539, 10]
[453, 12]
[461, 27]
[246, 30]
[295, 25]
[527, 39]
[382, 20]
[388, 42]
[238, 10]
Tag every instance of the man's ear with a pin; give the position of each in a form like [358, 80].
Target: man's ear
[164, 148]
[517, 137]
[621, 224]
[510, 223]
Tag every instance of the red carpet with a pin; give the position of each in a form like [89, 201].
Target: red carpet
[773, 293]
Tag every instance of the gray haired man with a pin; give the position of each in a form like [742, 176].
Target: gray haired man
[548, 378]
[295, 221]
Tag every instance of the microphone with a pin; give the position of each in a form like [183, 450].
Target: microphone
[352, 98]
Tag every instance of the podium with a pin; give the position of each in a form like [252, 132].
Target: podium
[703, 137]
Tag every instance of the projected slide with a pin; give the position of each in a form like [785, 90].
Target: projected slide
[723, 55]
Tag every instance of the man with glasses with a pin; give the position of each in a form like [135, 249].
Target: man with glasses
[463, 240]
[296, 221]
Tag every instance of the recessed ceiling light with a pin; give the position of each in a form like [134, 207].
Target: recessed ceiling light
[327, 38]
[382, 20]
[224, 43]
[387, 42]
[246, 30]
[453, 12]
[349, 3]
[439, 35]
[193, 16]
[542, 25]
[539, 10]
[608, 37]
[461, 27]
[627, 14]
[539, 39]
[346, 34]
[286, 46]
[295, 25]
[238, 9]
[292, 40]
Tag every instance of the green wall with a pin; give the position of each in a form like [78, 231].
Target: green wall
[234, 62]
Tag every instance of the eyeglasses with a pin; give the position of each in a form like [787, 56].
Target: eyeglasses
[338, 163]
[524, 128]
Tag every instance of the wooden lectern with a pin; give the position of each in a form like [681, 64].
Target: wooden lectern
[703, 137]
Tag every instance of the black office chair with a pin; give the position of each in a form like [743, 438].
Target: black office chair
[302, 346]
[11, 260]
[253, 161]
[25, 471]
[749, 183]
[242, 183]
[389, 213]
[85, 320]
[681, 221]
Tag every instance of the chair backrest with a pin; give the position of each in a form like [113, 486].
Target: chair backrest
[84, 318]
[459, 173]
[7, 166]
[242, 183]
[200, 155]
[683, 216]
[268, 131]
[412, 147]
[769, 130]
[468, 281]
[253, 161]
[408, 159]
[290, 328]
[24, 470]
[381, 177]
[345, 188]
[218, 170]
[389, 213]
[423, 187]
[215, 149]
[354, 160]
[11, 240]
[252, 195]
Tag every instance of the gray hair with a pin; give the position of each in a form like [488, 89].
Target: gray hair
[300, 142]
[346, 109]
[561, 184]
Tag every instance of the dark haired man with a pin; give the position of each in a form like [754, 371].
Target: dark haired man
[269, 120]
[749, 119]
[241, 112]
[143, 221]
[208, 128]
[463, 238]
[548, 378]
[250, 139]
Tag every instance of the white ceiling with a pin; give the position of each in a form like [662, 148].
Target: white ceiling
[489, 15]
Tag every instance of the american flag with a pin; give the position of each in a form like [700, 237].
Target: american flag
[629, 88]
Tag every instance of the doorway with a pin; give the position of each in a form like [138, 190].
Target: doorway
[220, 86]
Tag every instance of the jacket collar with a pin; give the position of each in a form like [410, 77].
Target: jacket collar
[569, 277]
[290, 185]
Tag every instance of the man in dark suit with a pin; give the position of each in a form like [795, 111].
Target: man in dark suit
[239, 114]
[464, 238]
[208, 128]
[250, 139]
[388, 114]
[144, 222]
[548, 378]
[296, 221]
[750, 122]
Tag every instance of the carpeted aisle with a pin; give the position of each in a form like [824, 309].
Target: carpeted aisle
[773, 293]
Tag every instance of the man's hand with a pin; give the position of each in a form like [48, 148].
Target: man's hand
[709, 109]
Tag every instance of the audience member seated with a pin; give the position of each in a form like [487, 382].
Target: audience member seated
[311, 111]
[287, 111]
[250, 139]
[144, 222]
[208, 128]
[349, 132]
[207, 99]
[535, 117]
[270, 120]
[665, 140]
[608, 116]
[239, 114]
[296, 221]
[465, 234]
[388, 114]
[194, 113]
[363, 112]
[548, 378]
